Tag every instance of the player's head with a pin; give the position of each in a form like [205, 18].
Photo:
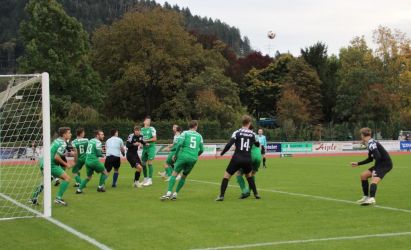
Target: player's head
[175, 126]
[99, 134]
[365, 134]
[251, 127]
[193, 125]
[260, 131]
[137, 130]
[80, 132]
[147, 121]
[65, 133]
[179, 129]
[114, 132]
[246, 121]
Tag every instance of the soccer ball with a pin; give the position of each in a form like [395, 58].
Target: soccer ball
[271, 34]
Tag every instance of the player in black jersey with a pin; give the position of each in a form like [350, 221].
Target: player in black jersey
[134, 141]
[383, 165]
[243, 139]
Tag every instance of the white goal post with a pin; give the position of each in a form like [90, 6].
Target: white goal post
[24, 142]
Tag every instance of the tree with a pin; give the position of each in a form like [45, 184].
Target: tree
[150, 61]
[291, 107]
[56, 43]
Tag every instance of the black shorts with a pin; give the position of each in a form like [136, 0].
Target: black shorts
[112, 162]
[239, 163]
[381, 170]
[262, 150]
[134, 160]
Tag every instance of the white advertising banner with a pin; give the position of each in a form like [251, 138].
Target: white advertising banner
[391, 145]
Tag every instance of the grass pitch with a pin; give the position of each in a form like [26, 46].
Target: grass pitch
[302, 199]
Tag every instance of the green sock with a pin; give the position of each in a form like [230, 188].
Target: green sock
[241, 183]
[145, 170]
[171, 183]
[77, 178]
[63, 187]
[37, 192]
[103, 178]
[180, 184]
[150, 171]
[83, 183]
[169, 171]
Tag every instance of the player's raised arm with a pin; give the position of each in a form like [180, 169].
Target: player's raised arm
[229, 144]
[366, 161]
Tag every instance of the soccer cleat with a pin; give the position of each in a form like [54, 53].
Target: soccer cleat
[149, 182]
[162, 174]
[76, 185]
[174, 197]
[364, 198]
[168, 179]
[114, 186]
[78, 191]
[101, 189]
[60, 202]
[33, 201]
[257, 196]
[244, 195]
[220, 198]
[369, 201]
[165, 197]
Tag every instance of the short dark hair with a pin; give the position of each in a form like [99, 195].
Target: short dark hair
[137, 128]
[147, 117]
[246, 119]
[63, 130]
[178, 128]
[366, 131]
[97, 131]
[113, 131]
[251, 127]
[193, 124]
[79, 131]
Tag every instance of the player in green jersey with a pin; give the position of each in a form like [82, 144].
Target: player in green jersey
[80, 146]
[256, 158]
[189, 148]
[93, 164]
[58, 147]
[169, 164]
[149, 150]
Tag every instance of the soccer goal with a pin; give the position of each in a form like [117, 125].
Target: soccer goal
[24, 144]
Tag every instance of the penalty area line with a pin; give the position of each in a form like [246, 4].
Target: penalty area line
[58, 223]
[276, 243]
[317, 197]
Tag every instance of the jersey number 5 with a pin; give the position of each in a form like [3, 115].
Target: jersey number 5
[193, 142]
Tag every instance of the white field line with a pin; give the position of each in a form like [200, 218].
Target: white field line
[59, 224]
[276, 243]
[20, 217]
[309, 196]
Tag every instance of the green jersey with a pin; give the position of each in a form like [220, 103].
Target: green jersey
[175, 142]
[255, 153]
[94, 150]
[57, 147]
[190, 144]
[80, 144]
[148, 133]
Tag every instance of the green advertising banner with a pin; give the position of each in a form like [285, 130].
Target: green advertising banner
[296, 147]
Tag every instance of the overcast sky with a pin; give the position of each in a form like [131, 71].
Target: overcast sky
[300, 23]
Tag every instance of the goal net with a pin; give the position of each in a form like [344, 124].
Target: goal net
[24, 143]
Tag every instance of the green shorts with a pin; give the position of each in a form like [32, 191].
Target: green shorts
[255, 164]
[148, 153]
[185, 165]
[92, 166]
[79, 164]
[56, 170]
[170, 156]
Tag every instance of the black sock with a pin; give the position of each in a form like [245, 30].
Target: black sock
[263, 161]
[365, 186]
[373, 189]
[251, 184]
[136, 176]
[224, 185]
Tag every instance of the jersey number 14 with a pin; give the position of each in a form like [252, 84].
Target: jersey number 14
[245, 145]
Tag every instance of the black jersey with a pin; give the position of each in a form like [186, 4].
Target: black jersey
[243, 139]
[131, 148]
[376, 152]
